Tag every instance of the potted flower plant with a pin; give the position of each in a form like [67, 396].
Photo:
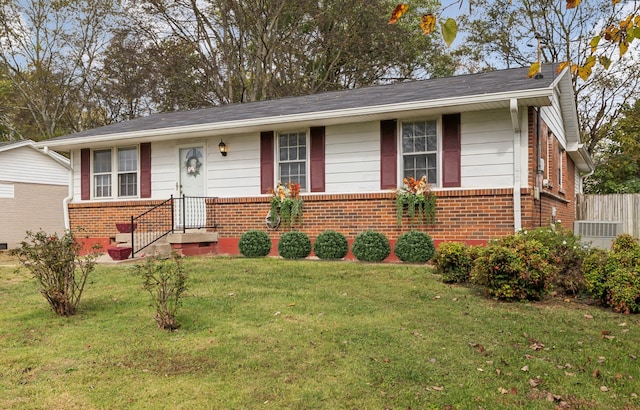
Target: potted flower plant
[287, 204]
[417, 196]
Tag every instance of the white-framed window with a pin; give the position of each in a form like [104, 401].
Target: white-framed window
[123, 168]
[560, 164]
[292, 158]
[420, 149]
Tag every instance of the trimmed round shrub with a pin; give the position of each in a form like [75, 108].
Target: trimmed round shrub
[453, 260]
[331, 245]
[414, 246]
[371, 246]
[294, 245]
[254, 244]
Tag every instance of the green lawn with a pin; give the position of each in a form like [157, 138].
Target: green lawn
[273, 334]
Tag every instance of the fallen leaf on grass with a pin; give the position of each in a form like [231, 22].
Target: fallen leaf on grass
[535, 345]
[479, 348]
[503, 390]
[588, 316]
[604, 388]
[525, 368]
[438, 388]
[535, 382]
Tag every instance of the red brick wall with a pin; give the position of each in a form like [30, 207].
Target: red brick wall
[472, 216]
[539, 212]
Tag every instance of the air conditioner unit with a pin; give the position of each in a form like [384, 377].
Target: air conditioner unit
[600, 234]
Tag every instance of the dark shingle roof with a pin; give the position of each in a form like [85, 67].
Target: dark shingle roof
[510, 80]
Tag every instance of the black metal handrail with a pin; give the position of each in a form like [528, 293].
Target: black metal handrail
[174, 214]
[151, 225]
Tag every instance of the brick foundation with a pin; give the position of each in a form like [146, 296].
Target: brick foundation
[471, 216]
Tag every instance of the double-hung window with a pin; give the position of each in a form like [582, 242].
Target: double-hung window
[292, 158]
[121, 168]
[420, 150]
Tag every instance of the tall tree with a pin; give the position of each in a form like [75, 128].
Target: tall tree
[259, 49]
[618, 166]
[50, 50]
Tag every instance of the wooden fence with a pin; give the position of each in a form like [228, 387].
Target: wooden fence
[623, 208]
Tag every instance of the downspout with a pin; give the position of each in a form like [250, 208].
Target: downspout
[540, 167]
[517, 160]
[67, 199]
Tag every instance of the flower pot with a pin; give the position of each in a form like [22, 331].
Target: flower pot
[125, 227]
[119, 253]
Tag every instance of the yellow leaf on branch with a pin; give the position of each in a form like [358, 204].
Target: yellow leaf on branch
[562, 66]
[533, 70]
[428, 23]
[626, 23]
[584, 72]
[624, 47]
[594, 43]
[449, 31]
[605, 62]
[572, 4]
[398, 12]
[614, 2]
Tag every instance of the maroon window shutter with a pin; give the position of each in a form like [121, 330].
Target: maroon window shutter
[317, 159]
[266, 162]
[388, 154]
[451, 150]
[85, 173]
[145, 170]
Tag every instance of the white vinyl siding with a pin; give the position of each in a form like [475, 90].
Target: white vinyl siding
[486, 158]
[352, 158]
[27, 165]
[552, 116]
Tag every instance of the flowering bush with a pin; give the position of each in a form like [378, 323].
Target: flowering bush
[286, 203]
[417, 196]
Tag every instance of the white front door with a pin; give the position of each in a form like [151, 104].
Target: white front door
[191, 193]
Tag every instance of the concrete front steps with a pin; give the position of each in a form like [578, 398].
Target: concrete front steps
[189, 243]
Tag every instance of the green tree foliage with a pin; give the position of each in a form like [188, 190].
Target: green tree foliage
[252, 50]
[618, 166]
[51, 52]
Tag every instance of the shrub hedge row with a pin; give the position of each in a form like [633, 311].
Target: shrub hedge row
[369, 246]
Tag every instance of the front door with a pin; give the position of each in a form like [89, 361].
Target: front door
[191, 210]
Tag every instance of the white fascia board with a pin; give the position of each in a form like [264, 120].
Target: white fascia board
[182, 132]
[568, 106]
[17, 144]
[581, 158]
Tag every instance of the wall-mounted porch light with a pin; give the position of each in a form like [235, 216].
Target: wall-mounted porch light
[223, 148]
